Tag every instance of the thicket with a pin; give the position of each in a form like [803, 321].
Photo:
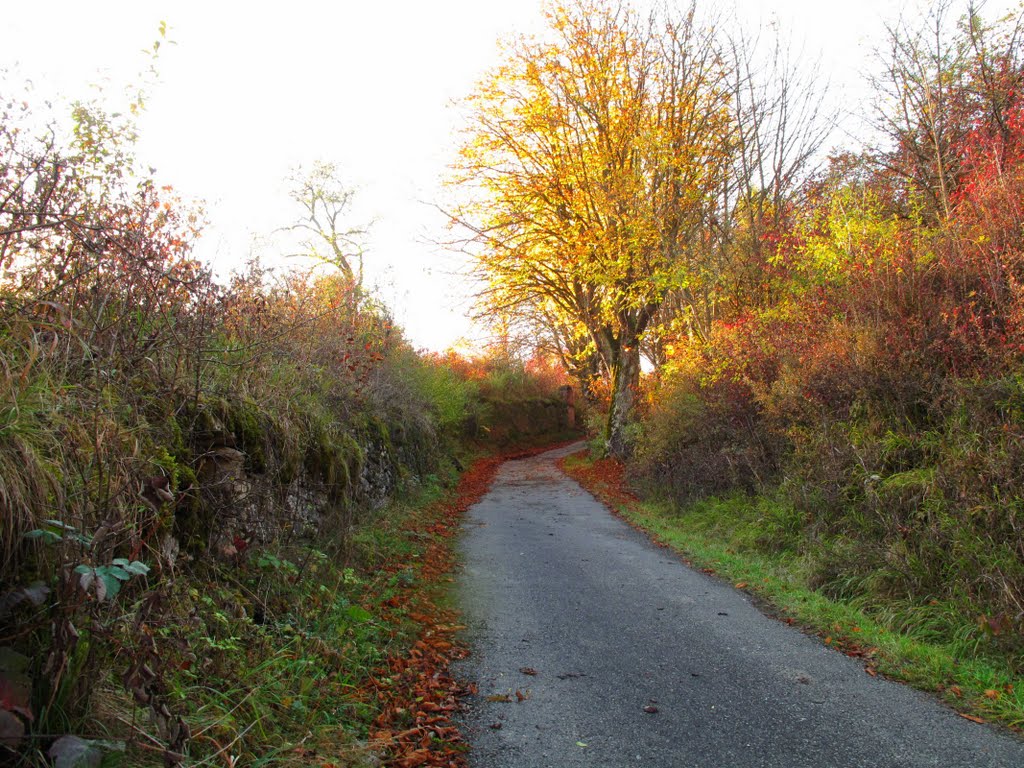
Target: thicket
[189, 470]
[518, 400]
[870, 382]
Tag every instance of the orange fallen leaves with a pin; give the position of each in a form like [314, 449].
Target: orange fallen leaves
[605, 478]
[416, 694]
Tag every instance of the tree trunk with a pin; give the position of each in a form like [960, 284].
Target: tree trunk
[625, 381]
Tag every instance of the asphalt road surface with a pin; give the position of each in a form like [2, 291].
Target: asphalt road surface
[641, 661]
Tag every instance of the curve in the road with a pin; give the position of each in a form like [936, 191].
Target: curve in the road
[593, 647]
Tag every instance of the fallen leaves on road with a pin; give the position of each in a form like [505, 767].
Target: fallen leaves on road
[528, 670]
[605, 478]
[416, 694]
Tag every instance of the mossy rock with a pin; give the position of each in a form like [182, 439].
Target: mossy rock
[252, 430]
[233, 423]
[334, 458]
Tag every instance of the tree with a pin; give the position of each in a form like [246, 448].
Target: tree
[593, 152]
[940, 81]
[325, 203]
[775, 136]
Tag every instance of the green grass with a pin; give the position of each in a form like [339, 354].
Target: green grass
[752, 541]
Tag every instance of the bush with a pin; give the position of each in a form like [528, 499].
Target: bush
[702, 438]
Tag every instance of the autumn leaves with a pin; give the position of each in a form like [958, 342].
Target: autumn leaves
[598, 160]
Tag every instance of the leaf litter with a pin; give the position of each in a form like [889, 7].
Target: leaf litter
[415, 693]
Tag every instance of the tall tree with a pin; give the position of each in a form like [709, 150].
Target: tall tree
[777, 130]
[592, 152]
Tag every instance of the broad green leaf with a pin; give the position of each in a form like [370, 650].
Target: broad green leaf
[111, 585]
[76, 752]
[137, 568]
[356, 613]
[117, 572]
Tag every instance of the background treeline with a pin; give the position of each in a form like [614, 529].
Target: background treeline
[837, 332]
[197, 477]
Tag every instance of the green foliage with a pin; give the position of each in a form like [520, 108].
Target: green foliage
[279, 651]
[451, 398]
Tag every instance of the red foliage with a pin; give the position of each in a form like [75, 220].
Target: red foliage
[547, 372]
[946, 303]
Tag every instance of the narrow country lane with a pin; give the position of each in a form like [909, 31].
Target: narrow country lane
[611, 625]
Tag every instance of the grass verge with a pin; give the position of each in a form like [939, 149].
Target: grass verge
[335, 661]
[903, 642]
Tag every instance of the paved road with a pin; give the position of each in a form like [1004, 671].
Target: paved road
[612, 624]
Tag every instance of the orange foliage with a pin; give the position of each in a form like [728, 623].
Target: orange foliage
[500, 374]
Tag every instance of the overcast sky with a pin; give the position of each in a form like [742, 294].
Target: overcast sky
[250, 90]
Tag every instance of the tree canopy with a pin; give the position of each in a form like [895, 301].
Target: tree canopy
[595, 151]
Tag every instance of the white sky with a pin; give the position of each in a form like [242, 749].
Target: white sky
[252, 89]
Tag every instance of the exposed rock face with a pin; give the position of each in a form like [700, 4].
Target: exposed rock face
[240, 497]
[377, 476]
[223, 470]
